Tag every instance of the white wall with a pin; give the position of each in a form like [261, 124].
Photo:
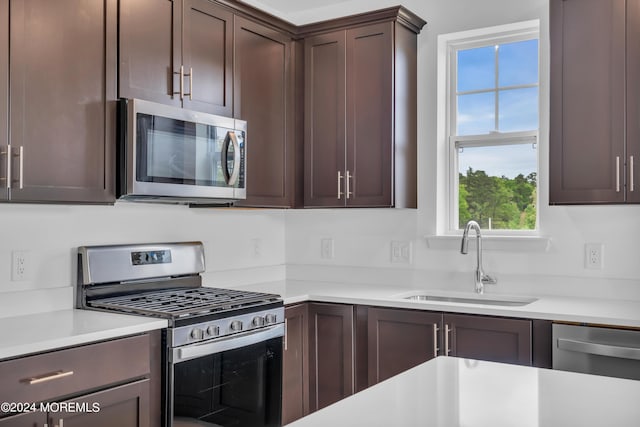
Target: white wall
[362, 237]
[52, 233]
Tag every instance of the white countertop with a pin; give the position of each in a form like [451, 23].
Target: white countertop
[569, 309]
[33, 333]
[452, 392]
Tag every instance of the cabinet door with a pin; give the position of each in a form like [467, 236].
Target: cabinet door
[399, 340]
[489, 338]
[633, 100]
[149, 41]
[370, 115]
[587, 135]
[207, 55]
[62, 88]
[330, 354]
[124, 406]
[262, 97]
[4, 95]
[324, 140]
[295, 370]
[31, 419]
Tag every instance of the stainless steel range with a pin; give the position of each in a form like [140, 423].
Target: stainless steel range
[223, 348]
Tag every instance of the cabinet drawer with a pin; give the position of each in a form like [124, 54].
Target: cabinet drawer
[79, 369]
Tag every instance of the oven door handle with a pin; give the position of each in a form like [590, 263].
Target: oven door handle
[236, 341]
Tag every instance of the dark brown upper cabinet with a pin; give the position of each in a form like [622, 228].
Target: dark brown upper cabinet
[58, 73]
[360, 112]
[263, 97]
[595, 101]
[178, 53]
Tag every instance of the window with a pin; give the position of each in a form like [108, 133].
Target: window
[492, 127]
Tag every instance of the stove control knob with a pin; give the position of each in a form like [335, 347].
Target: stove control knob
[270, 318]
[258, 321]
[213, 331]
[236, 326]
[197, 334]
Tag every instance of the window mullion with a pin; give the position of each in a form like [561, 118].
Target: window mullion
[497, 83]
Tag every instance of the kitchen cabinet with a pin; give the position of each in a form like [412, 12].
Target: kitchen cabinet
[120, 376]
[177, 53]
[331, 353]
[263, 97]
[57, 93]
[360, 114]
[487, 338]
[295, 401]
[400, 339]
[30, 419]
[595, 101]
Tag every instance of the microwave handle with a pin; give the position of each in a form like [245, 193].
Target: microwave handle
[232, 177]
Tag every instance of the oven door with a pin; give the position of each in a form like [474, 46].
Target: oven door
[229, 382]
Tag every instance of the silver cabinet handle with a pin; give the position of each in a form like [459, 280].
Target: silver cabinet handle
[349, 192]
[48, 377]
[7, 179]
[182, 76]
[340, 193]
[447, 350]
[599, 349]
[632, 185]
[20, 156]
[617, 174]
[435, 340]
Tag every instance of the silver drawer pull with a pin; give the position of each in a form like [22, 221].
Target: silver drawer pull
[435, 340]
[599, 349]
[48, 377]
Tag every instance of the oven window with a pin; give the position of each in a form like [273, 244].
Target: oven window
[240, 388]
[178, 152]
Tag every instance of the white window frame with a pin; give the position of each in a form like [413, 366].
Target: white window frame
[452, 43]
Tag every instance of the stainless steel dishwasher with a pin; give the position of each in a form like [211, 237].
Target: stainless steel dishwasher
[597, 350]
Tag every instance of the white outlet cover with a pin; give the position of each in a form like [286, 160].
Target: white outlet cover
[593, 256]
[326, 248]
[401, 252]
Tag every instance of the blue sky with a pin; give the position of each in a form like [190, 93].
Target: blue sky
[518, 107]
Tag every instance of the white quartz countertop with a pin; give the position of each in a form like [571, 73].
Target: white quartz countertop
[452, 392]
[559, 308]
[33, 333]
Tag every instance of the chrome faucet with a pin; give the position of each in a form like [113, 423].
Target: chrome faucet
[481, 278]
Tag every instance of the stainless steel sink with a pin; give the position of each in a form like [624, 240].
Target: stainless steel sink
[510, 301]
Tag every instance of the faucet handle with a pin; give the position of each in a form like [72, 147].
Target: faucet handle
[488, 280]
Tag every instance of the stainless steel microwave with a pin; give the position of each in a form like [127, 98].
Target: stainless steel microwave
[169, 154]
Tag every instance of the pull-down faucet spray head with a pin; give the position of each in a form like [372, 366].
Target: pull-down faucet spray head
[480, 277]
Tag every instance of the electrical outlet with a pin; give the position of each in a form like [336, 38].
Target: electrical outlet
[256, 248]
[401, 252]
[20, 265]
[593, 253]
[326, 248]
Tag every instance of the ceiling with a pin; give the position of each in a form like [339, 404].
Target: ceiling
[286, 7]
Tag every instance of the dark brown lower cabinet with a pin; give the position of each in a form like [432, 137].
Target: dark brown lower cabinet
[109, 383]
[331, 354]
[124, 406]
[335, 350]
[488, 338]
[295, 396]
[31, 419]
[400, 339]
